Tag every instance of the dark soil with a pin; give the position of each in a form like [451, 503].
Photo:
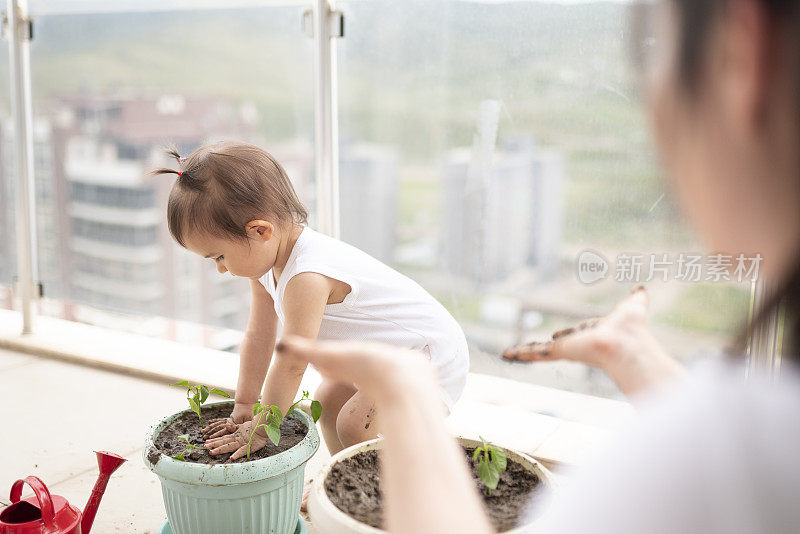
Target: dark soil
[187, 424]
[353, 485]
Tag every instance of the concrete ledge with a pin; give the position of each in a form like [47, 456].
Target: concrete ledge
[558, 427]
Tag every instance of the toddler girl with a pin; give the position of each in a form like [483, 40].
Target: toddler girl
[234, 204]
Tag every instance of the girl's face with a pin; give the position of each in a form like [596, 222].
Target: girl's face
[724, 163]
[252, 258]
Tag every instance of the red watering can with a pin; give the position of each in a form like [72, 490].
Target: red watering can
[52, 514]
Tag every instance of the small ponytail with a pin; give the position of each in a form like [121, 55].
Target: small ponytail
[172, 152]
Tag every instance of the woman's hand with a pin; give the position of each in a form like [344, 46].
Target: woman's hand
[242, 412]
[379, 371]
[426, 485]
[619, 343]
[238, 440]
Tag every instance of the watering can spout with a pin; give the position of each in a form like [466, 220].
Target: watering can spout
[108, 463]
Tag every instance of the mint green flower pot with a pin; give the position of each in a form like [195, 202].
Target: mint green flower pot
[259, 497]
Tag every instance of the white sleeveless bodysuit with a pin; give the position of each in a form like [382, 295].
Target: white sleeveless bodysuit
[383, 306]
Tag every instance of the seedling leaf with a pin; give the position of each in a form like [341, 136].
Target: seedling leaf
[488, 474]
[274, 419]
[179, 457]
[220, 393]
[274, 433]
[491, 463]
[316, 410]
[197, 395]
[499, 459]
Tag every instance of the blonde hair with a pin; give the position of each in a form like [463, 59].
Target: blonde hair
[223, 186]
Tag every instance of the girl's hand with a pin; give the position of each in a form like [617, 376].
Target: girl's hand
[619, 343]
[237, 442]
[242, 412]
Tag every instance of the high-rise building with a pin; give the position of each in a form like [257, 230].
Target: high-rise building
[50, 193]
[368, 180]
[103, 239]
[503, 214]
[368, 199]
[123, 256]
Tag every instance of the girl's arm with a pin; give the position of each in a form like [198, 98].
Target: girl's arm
[256, 351]
[254, 358]
[304, 302]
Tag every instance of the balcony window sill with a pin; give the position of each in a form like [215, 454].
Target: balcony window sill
[557, 427]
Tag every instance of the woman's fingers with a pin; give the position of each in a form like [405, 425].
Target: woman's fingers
[637, 302]
[549, 350]
[343, 362]
[529, 352]
[588, 323]
[587, 342]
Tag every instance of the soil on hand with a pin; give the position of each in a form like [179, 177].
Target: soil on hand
[353, 485]
[188, 425]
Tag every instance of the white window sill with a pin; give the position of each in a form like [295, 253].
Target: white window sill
[504, 411]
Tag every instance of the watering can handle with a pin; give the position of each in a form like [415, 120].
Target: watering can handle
[42, 495]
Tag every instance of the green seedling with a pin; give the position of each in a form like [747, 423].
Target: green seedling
[491, 464]
[197, 395]
[188, 448]
[274, 419]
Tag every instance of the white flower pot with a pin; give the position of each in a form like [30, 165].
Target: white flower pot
[326, 518]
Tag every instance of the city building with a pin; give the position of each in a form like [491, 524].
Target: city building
[107, 244]
[502, 212]
[368, 196]
[368, 192]
[50, 191]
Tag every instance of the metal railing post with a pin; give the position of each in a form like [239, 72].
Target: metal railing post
[765, 341]
[19, 30]
[326, 24]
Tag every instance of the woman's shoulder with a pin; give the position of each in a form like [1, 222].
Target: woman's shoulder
[712, 454]
[720, 402]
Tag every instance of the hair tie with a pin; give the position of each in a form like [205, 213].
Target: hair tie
[179, 174]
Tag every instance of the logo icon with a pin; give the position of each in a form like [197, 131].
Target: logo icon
[592, 267]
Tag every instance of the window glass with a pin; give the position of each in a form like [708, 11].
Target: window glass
[487, 147]
[116, 84]
[8, 246]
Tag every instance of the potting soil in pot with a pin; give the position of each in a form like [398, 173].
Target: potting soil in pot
[353, 485]
[187, 424]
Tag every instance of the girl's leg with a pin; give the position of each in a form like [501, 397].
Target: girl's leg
[332, 396]
[356, 421]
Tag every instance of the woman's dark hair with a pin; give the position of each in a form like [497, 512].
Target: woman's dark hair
[697, 20]
[223, 186]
